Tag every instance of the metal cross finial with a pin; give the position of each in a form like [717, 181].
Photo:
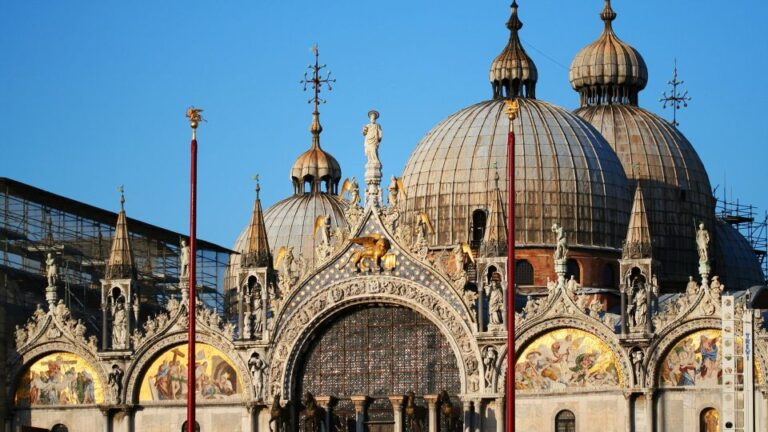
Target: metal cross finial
[675, 100]
[316, 81]
[121, 189]
[258, 186]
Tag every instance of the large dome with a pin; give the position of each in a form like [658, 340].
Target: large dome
[566, 174]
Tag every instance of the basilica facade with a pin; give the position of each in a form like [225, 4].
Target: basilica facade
[381, 304]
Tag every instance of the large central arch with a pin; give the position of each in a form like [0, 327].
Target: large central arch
[317, 312]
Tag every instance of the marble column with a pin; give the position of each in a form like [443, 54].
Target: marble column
[477, 417]
[360, 403]
[624, 316]
[326, 403]
[467, 415]
[500, 415]
[397, 410]
[253, 412]
[630, 412]
[106, 417]
[481, 308]
[432, 405]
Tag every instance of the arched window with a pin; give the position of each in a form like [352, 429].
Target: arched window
[523, 272]
[609, 276]
[489, 273]
[572, 269]
[565, 421]
[709, 420]
[479, 219]
[59, 428]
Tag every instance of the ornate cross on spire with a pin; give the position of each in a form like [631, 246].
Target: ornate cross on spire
[121, 189]
[675, 100]
[258, 186]
[316, 81]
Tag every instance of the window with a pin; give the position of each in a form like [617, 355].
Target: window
[709, 420]
[609, 276]
[523, 272]
[59, 428]
[565, 421]
[479, 219]
[572, 269]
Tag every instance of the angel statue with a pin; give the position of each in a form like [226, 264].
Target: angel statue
[424, 227]
[350, 185]
[373, 134]
[284, 264]
[395, 189]
[323, 225]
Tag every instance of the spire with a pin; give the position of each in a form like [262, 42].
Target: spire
[608, 71]
[638, 242]
[256, 252]
[120, 264]
[495, 240]
[513, 73]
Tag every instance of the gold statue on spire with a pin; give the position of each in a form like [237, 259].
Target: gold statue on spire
[194, 116]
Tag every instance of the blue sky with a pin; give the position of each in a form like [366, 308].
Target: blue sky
[93, 93]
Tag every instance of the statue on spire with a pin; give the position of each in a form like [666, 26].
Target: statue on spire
[373, 135]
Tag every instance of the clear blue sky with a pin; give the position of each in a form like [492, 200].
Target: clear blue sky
[93, 92]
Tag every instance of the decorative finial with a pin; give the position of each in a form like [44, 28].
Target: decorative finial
[512, 107]
[496, 173]
[316, 81]
[607, 15]
[121, 189]
[194, 116]
[675, 99]
[258, 186]
[514, 24]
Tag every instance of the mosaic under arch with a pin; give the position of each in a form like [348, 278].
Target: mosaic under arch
[695, 361]
[59, 378]
[565, 359]
[216, 377]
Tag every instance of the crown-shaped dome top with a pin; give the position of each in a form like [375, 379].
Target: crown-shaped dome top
[608, 71]
[315, 166]
[513, 73]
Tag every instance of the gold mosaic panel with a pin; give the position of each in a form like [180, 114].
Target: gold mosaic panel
[216, 377]
[59, 379]
[567, 358]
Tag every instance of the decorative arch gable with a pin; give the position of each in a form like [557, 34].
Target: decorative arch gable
[339, 268]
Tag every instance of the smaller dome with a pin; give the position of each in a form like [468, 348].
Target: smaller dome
[736, 263]
[290, 222]
[608, 70]
[316, 166]
[513, 73]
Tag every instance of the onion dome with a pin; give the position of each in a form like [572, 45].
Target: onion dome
[315, 167]
[513, 73]
[735, 261]
[608, 70]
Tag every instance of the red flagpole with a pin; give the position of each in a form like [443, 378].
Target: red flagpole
[511, 112]
[194, 118]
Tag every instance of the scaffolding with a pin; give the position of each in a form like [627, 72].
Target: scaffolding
[34, 222]
[746, 219]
